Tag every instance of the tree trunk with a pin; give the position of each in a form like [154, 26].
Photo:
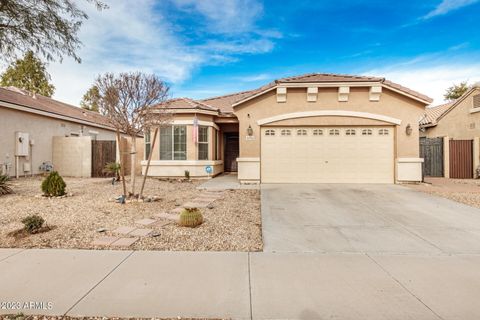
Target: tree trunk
[122, 166]
[132, 167]
[148, 162]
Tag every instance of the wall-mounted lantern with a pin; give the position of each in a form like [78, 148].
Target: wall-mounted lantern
[249, 131]
[408, 129]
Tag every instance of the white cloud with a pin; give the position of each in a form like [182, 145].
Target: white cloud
[448, 5]
[225, 16]
[137, 36]
[431, 80]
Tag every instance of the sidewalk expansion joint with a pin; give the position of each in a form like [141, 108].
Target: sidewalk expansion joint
[13, 254]
[98, 283]
[403, 286]
[250, 286]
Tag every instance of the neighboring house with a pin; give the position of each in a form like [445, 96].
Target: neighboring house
[323, 128]
[455, 125]
[36, 130]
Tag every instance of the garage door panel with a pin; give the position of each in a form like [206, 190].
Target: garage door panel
[328, 158]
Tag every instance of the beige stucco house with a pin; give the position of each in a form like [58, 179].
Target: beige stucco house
[457, 120]
[323, 128]
[37, 130]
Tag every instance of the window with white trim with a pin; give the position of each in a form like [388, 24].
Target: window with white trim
[270, 132]
[383, 132]
[173, 143]
[317, 132]
[202, 143]
[301, 132]
[148, 144]
[350, 132]
[366, 132]
[334, 132]
[286, 132]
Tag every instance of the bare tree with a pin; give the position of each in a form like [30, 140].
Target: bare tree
[126, 100]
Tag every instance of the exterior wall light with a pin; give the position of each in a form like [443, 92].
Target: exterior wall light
[249, 131]
[408, 129]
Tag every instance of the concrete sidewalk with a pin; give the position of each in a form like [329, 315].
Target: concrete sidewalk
[240, 285]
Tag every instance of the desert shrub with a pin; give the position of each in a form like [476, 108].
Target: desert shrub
[113, 168]
[187, 174]
[33, 223]
[53, 185]
[5, 185]
[191, 217]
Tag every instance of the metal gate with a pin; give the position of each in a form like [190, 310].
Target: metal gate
[103, 152]
[461, 159]
[431, 150]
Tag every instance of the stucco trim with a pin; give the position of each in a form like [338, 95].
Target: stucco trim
[200, 122]
[248, 159]
[404, 160]
[329, 85]
[338, 113]
[182, 162]
[474, 110]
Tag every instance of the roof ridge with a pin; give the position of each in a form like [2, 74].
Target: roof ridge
[227, 95]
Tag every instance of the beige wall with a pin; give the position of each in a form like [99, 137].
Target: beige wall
[456, 123]
[41, 129]
[391, 104]
[72, 156]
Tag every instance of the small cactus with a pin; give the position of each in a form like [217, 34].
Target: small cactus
[191, 217]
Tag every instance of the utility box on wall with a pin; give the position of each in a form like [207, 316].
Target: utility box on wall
[21, 144]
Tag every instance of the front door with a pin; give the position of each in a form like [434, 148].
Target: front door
[231, 152]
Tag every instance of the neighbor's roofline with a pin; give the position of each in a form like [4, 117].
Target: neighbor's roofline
[457, 102]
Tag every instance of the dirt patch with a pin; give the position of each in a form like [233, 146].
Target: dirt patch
[233, 224]
[22, 233]
[466, 191]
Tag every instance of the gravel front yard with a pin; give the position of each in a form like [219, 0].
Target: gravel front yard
[233, 224]
[466, 191]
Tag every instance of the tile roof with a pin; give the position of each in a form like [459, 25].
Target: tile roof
[433, 113]
[186, 103]
[225, 103]
[41, 103]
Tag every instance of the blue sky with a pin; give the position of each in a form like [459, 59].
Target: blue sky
[211, 47]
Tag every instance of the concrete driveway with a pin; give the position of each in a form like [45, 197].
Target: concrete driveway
[341, 218]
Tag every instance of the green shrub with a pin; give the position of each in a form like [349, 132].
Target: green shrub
[191, 217]
[53, 185]
[113, 168]
[187, 174]
[5, 185]
[33, 223]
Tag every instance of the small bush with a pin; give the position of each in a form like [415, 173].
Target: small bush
[53, 185]
[113, 168]
[5, 185]
[187, 174]
[33, 223]
[191, 217]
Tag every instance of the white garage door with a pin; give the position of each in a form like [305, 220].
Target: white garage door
[327, 155]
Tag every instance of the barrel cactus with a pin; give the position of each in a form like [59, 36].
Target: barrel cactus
[191, 217]
[53, 185]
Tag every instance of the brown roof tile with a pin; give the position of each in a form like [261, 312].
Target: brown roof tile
[433, 113]
[38, 102]
[186, 103]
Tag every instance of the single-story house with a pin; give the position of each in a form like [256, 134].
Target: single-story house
[313, 128]
[37, 132]
[450, 136]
